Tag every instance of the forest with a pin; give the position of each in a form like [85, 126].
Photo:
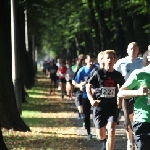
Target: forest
[62, 27]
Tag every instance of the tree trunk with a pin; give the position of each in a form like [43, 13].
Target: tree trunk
[27, 72]
[9, 114]
[106, 34]
[148, 8]
[95, 26]
[139, 21]
[127, 24]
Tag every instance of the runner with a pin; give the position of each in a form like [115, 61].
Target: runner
[80, 62]
[62, 70]
[147, 53]
[139, 80]
[125, 66]
[100, 59]
[53, 77]
[105, 110]
[58, 64]
[80, 81]
[69, 78]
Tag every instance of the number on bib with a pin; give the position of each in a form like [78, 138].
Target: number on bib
[108, 92]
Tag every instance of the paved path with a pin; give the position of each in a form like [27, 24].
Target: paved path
[94, 144]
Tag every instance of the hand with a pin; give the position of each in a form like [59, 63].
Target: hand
[95, 102]
[143, 90]
[127, 124]
[93, 91]
[82, 85]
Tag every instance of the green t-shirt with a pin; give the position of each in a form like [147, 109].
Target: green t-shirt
[142, 103]
[74, 66]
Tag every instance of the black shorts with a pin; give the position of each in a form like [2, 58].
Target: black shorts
[141, 135]
[44, 70]
[104, 114]
[70, 81]
[131, 105]
[63, 80]
[53, 78]
[78, 98]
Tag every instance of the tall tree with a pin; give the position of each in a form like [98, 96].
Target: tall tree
[9, 114]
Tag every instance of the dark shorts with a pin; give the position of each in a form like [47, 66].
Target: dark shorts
[104, 114]
[86, 107]
[131, 105]
[78, 98]
[70, 81]
[141, 135]
[62, 80]
[44, 70]
[53, 78]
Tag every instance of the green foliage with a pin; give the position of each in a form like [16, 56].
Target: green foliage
[55, 22]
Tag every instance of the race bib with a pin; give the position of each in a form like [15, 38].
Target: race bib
[108, 92]
[53, 71]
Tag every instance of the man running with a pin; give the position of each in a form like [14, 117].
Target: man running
[125, 66]
[80, 82]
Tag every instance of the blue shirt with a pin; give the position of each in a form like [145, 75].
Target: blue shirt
[126, 66]
[82, 76]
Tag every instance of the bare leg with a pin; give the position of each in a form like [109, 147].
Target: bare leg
[68, 89]
[111, 135]
[129, 135]
[63, 88]
[101, 135]
[80, 108]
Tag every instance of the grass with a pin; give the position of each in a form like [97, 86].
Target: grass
[49, 120]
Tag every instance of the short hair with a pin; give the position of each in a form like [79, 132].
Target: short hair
[110, 52]
[100, 53]
[145, 59]
[90, 55]
[81, 56]
[134, 44]
[63, 61]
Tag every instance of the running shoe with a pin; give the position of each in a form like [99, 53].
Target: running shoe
[79, 116]
[82, 116]
[83, 126]
[129, 146]
[89, 136]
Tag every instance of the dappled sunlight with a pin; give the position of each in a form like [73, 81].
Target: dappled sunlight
[37, 91]
[37, 96]
[48, 117]
[57, 131]
[37, 114]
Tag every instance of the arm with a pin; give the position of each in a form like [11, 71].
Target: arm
[90, 97]
[119, 99]
[125, 107]
[125, 93]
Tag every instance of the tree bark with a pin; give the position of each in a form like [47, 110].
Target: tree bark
[95, 26]
[9, 114]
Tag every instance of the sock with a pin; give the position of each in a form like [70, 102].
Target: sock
[103, 144]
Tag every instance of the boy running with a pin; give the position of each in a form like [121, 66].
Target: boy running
[105, 110]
